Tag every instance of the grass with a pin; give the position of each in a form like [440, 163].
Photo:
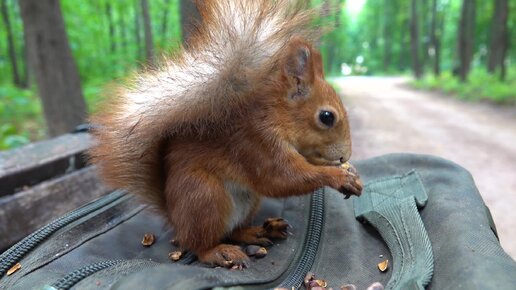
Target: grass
[481, 86]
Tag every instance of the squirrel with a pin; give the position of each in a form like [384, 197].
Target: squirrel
[242, 112]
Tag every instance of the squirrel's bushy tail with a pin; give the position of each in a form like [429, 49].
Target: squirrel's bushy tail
[235, 46]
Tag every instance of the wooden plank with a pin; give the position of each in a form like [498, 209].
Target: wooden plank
[24, 212]
[40, 161]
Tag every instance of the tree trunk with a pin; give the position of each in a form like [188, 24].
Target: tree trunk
[164, 21]
[147, 28]
[10, 43]
[189, 17]
[54, 68]
[387, 34]
[338, 11]
[404, 44]
[503, 69]
[123, 32]
[414, 40]
[111, 27]
[499, 36]
[466, 38]
[137, 31]
[435, 42]
[424, 30]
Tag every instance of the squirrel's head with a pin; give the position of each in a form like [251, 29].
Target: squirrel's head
[313, 117]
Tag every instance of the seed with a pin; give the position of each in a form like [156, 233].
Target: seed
[148, 240]
[175, 255]
[308, 278]
[13, 269]
[383, 266]
[321, 283]
[262, 252]
[251, 250]
[256, 251]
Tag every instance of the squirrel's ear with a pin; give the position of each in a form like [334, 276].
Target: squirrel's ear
[298, 68]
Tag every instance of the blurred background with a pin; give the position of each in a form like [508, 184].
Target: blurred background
[425, 76]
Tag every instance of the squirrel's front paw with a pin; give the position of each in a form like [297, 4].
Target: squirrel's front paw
[349, 182]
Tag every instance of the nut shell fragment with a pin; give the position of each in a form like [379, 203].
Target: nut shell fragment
[383, 266]
[13, 269]
[148, 240]
[175, 255]
[256, 251]
[262, 252]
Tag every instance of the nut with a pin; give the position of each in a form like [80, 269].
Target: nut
[383, 266]
[256, 251]
[148, 240]
[13, 269]
[262, 252]
[175, 255]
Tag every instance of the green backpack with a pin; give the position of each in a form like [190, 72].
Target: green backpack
[422, 214]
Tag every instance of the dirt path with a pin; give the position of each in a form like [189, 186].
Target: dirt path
[386, 116]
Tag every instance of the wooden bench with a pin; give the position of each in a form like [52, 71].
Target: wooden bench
[42, 181]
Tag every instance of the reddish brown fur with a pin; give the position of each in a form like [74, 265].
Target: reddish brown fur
[262, 133]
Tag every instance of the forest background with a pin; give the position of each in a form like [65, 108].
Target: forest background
[463, 48]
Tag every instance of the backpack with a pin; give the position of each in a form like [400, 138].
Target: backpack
[421, 214]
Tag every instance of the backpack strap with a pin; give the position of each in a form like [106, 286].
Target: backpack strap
[391, 206]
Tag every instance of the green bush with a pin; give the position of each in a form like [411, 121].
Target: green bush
[481, 86]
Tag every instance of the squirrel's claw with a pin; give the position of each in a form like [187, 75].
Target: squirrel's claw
[276, 228]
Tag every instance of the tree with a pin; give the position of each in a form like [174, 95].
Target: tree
[414, 40]
[123, 31]
[466, 38]
[10, 43]
[435, 41]
[111, 27]
[189, 16]
[499, 37]
[54, 68]
[387, 32]
[137, 31]
[147, 29]
[164, 21]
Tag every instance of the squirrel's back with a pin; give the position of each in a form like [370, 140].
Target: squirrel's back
[198, 91]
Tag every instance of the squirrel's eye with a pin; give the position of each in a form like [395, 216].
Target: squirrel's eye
[327, 118]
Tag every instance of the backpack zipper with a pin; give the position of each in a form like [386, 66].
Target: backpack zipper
[294, 279]
[311, 245]
[20, 249]
[68, 281]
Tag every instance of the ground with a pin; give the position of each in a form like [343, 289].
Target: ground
[388, 116]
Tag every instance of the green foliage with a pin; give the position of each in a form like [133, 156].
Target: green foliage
[480, 87]
[21, 117]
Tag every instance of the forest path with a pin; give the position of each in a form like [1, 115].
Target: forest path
[387, 116]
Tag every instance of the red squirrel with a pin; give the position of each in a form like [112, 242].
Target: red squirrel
[241, 113]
